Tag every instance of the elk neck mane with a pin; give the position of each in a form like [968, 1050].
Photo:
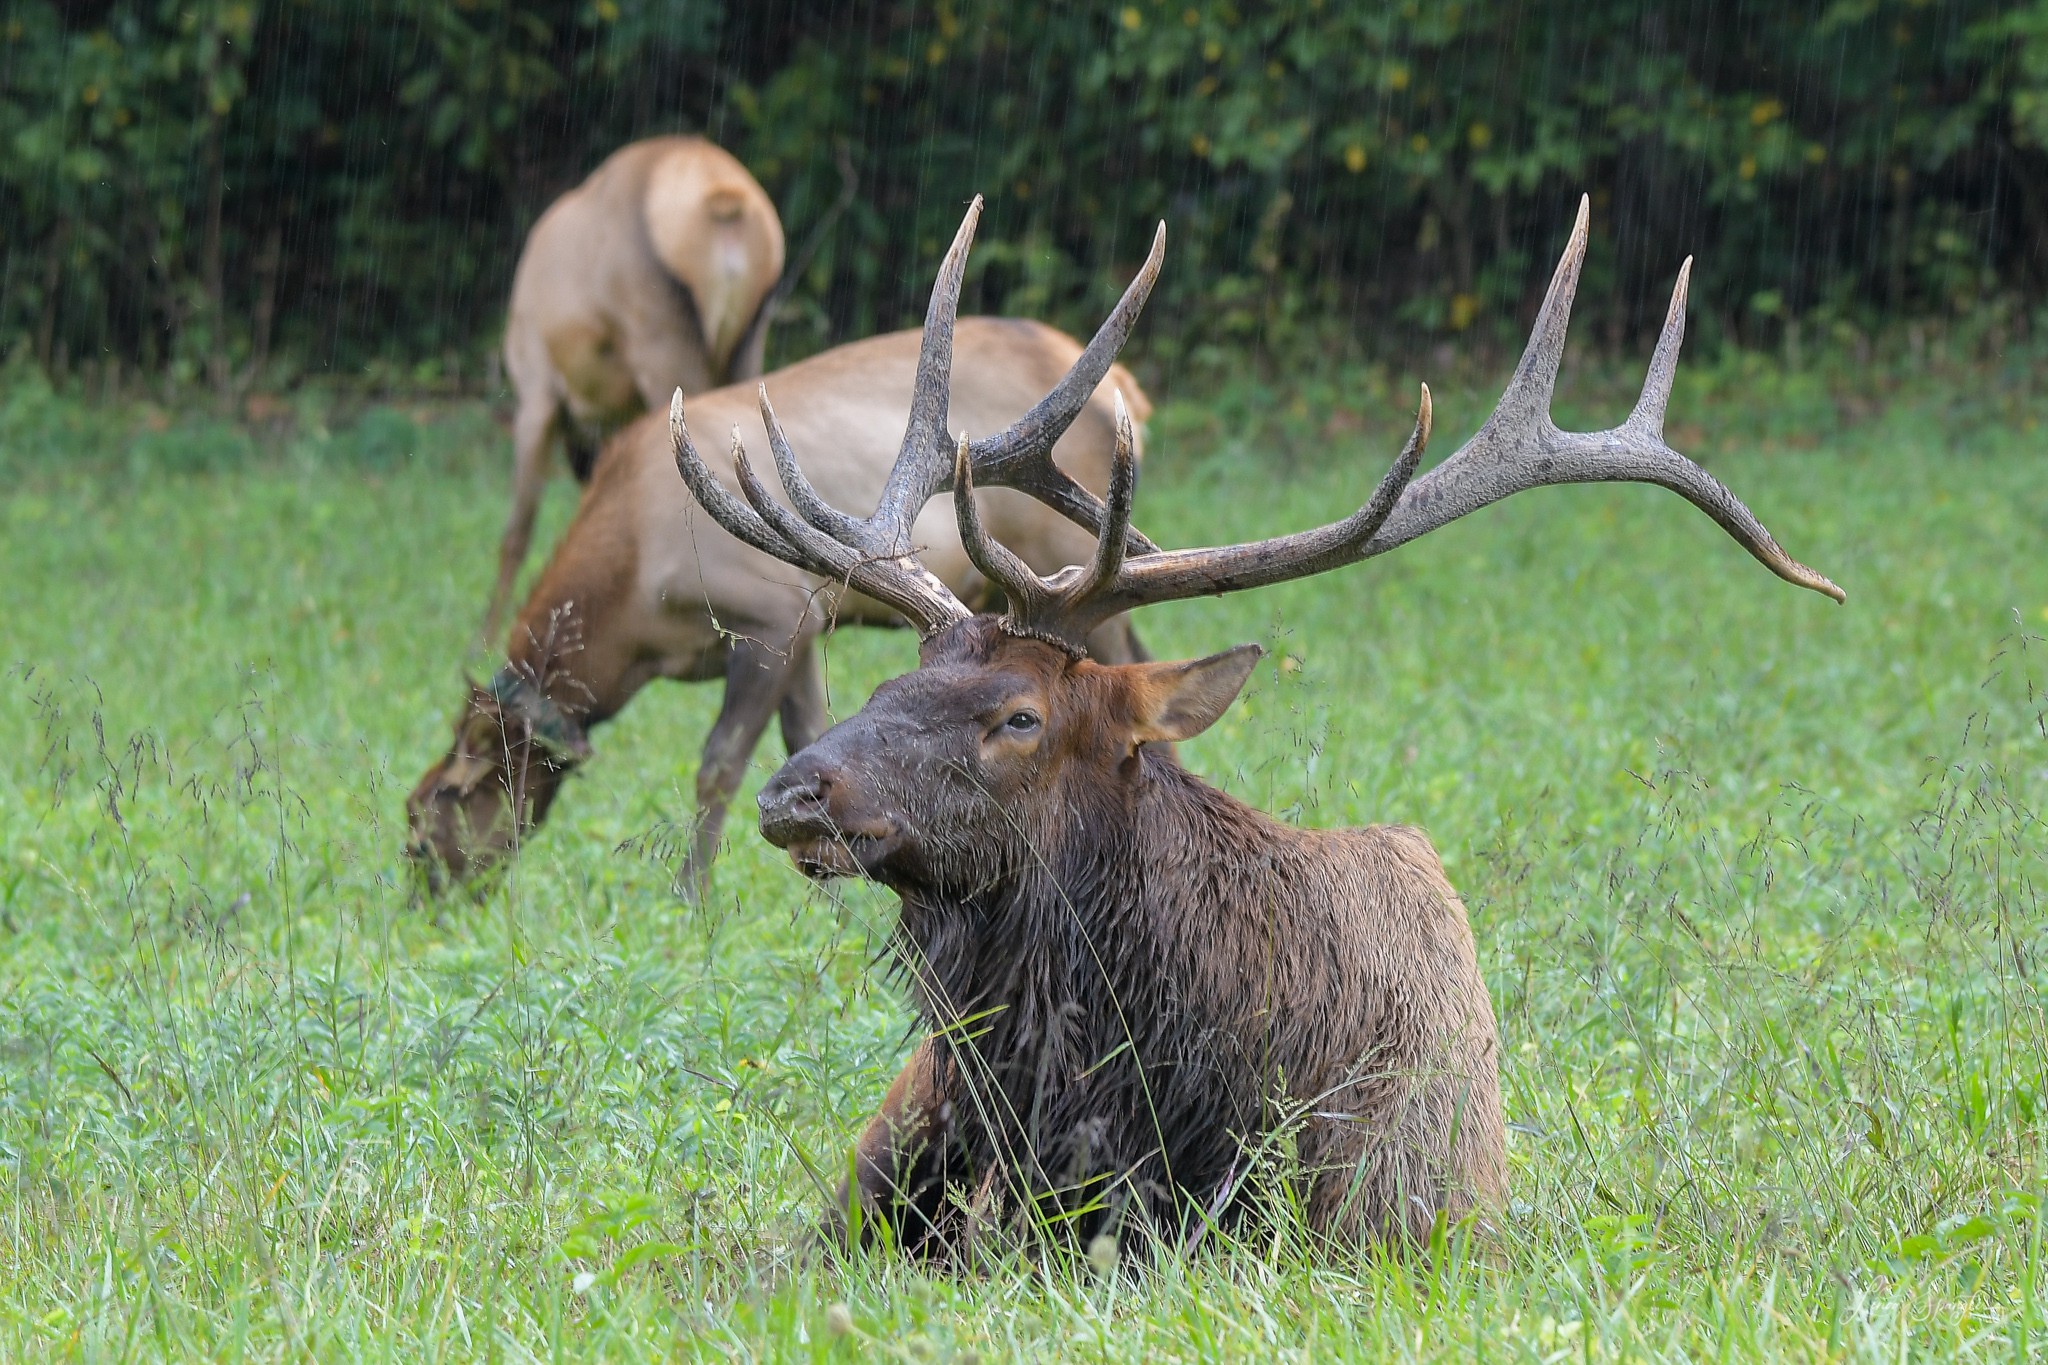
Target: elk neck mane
[1083, 1019]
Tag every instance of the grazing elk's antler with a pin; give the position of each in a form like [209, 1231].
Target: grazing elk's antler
[874, 554]
[1518, 448]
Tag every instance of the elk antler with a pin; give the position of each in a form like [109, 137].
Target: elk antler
[1518, 448]
[1065, 607]
[874, 555]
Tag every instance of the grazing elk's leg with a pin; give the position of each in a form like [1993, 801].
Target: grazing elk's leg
[804, 716]
[755, 674]
[896, 1163]
[533, 430]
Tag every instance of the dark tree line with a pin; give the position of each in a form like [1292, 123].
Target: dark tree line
[222, 188]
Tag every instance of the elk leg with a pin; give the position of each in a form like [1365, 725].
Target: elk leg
[897, 1177]
[804, 716]
[754, 677]
[532, 431]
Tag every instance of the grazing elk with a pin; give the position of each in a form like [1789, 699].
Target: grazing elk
[649, 276]
[641, 587]
[1132, 984]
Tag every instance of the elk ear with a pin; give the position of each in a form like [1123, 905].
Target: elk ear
[1176, 701]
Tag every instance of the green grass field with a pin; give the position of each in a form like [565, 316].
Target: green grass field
[1756, 882]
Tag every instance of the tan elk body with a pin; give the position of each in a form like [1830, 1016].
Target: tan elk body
[1137, 989]
[643, 585]
[645, 278]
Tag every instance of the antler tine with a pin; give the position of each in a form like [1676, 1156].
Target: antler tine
[1112, 540]
[996, 561]
[1648, 417]
[1062, 608]
[1020, 456]
[897, 580]
[815, 509]
[1527, 399]
[728, 511]
[814, 549]
[760, 521]
[921, 467]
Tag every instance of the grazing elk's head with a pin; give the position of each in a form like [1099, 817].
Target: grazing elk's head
[513, 748]
[950, 775]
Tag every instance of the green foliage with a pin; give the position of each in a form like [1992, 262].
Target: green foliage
[1756, 883]
[189, 183]
[219, 187]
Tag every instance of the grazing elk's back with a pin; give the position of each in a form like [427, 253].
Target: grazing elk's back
[643, 586]
[1139, 991]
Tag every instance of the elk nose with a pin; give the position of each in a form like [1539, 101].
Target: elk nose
[794, 803]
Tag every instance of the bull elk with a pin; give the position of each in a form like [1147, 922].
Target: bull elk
[1130, 983]
[641, 588]
[649, 276]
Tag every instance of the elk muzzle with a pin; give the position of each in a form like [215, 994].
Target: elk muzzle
[813, 812]
[452, 828]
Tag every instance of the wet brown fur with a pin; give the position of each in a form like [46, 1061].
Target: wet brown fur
[1134, 984]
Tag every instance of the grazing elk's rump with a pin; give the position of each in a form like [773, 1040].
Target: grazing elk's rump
[1135, 985]
[648, 276]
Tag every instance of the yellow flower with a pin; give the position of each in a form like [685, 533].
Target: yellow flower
[1354, 158]
[1418, 143]
[1398, 78]
[1132, 19]
[1464, 308]
[1748, 168]
[1480, 136]
[1764, 110]
[1199, 144]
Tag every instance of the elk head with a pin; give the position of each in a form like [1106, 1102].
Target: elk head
[958, 775]
[952, 777]
[513, 748]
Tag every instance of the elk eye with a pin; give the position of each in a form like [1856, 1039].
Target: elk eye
[1021, 722]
